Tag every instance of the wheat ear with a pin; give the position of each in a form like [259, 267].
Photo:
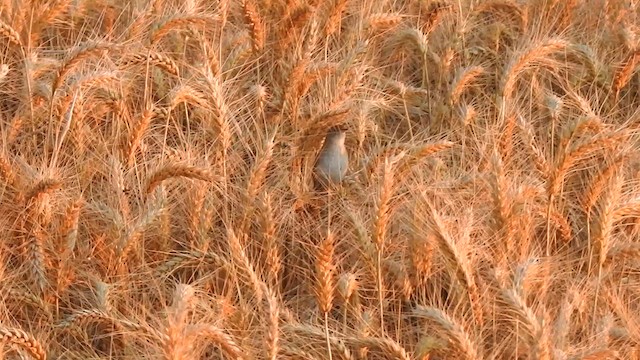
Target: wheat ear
[256, 25]
[537, 329]
[600, 355]
[463, 78]
[347, 289]
[602, 228]
[221, 112]
[259, 171]
[175, 344]
[325, 285]
[83, 318]
[244, 265]
[187, 94]
[457, 261]
[388, 346]
[335, 17]
[272, 337]
[454, 330]
[598, 184]
[137, 133]
[623, 75]
[10, 34]
[6, 170]
[309, 330]
[178, 22]
[26, 297]
[567, 160]
[130, 237]
[82, 53]
[24, 340]
[535, 54]
[177, 170]
[270, 240]
[381, 221]
[157, 59]
[218, 337]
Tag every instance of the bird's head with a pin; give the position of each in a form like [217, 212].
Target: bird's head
[336, 135]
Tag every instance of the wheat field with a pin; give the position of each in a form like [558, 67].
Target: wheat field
[156, 197]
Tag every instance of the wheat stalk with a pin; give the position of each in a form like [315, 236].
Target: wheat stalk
[630, 208]
[26, 297]
[314, 72]
[505, 7]
[293, 84]
[347, 289]
[261, 95]
[621, 252]
[398, 272]
[103, 296]
[577, 128]
[421, 250]
[567, 160]
[561, 223]
[295, 352]
[69, 228]
[537, 332]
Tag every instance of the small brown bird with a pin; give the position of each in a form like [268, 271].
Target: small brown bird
[333, 160]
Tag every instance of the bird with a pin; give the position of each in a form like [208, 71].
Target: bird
[333, 160]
